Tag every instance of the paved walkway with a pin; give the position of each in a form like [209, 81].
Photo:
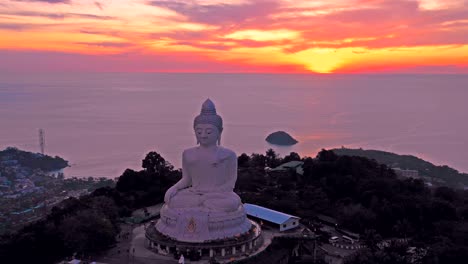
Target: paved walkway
[131, 249]
[341, 252]
[152, 210]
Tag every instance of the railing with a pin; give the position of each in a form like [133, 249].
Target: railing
[153, 235]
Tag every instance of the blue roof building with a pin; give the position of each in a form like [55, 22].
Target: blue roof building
[282, 220]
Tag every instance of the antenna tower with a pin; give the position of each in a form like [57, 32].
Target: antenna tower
[42, 140]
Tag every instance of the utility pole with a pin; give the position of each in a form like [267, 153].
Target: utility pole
[315, 249]
[42, 140]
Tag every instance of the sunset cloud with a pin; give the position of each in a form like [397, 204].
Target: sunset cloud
[45, 1]
[247, 35]
[262, 35]
[54, 15]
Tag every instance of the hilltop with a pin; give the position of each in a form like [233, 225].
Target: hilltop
[444, 174]
[32, 183]
[14, 157]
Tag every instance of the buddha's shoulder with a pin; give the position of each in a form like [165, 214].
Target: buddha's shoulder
[189, 151]
[227, 153]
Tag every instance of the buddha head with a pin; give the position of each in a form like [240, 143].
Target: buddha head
[208, 125]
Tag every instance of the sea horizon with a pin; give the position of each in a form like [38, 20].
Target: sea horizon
[104, 123]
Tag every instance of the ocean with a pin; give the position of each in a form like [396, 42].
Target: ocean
[104, 123]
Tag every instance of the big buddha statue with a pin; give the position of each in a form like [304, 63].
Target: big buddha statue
[202, 206]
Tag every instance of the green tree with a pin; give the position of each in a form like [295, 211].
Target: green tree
[243, 160]
[272, 159]
[447, 194]
[402, 228]
[293, 156]
[313, 199]
[87, 231]
[132, 180]
[154, 163]
[372, 239]
[356, 217]
[327, 156]
[258, 160]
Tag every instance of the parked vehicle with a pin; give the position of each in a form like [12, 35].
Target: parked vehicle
[333, 239]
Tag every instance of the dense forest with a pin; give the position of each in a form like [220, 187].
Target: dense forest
[450, 176]
[365, 196]
[90, 224]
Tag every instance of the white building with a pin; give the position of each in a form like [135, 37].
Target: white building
[292, 165]
[281, 220]
[406, 173]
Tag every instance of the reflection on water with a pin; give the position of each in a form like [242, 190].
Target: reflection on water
[104, 123]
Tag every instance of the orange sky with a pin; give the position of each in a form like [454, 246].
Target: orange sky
[290, 36]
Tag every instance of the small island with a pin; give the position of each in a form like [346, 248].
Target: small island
[281, 138]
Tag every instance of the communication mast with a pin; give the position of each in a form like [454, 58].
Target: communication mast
[42, 140]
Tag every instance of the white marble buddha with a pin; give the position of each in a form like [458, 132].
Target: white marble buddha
[202, 205]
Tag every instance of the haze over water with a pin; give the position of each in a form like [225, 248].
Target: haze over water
[104, 123]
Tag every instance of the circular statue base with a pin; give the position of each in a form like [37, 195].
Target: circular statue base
[235, 246]
[197, 226]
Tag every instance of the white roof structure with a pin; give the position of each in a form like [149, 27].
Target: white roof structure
[295, 164]
[267, 214]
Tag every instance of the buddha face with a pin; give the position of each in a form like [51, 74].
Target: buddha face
[207, 134]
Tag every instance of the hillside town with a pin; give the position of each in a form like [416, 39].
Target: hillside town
[32, 183]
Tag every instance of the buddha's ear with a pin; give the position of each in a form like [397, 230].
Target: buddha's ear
[219, 138]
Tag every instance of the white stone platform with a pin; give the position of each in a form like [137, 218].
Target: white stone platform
[222, 248]
[196, 226]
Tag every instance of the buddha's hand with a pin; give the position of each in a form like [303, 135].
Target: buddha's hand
[171, 192]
